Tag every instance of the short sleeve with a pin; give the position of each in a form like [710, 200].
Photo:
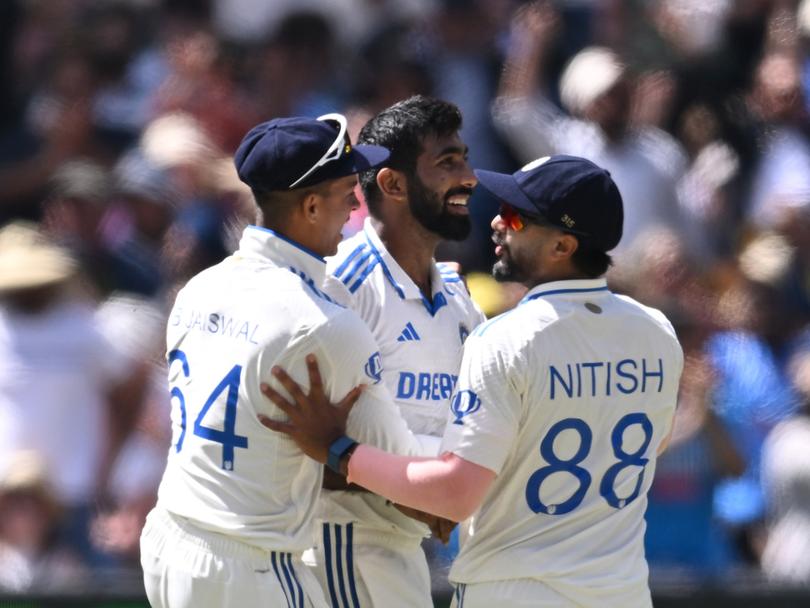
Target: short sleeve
[486, 409]
[354, 358]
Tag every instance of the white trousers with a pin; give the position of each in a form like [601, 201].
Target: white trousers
[185, 566]
[358, 568]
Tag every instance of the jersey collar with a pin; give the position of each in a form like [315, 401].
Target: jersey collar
[568, 289]
[280, 250]
[399, 279]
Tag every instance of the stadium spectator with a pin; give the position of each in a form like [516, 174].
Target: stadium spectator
[786, 478]
[757, 335]
[56, 128]
[601, 98]
[700, 453]
[80, 193]
[31, 554]
[200, 83]
[781, 179]
[706, 190]
[137, 221]
[136, 325]
[66, 391]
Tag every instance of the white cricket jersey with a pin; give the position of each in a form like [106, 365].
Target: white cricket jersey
[420, 343]
[229, 326]
[567, 398]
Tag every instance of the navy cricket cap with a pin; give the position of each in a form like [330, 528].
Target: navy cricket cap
[568, 192]
[296, 152]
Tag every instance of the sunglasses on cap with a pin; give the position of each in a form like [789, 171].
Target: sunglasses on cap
[340, 146]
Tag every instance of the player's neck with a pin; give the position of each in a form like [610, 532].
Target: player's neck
[412, 246]
[552, 274]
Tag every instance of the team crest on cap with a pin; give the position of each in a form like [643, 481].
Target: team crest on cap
[534, 164]
[567, 220]
[464, 403]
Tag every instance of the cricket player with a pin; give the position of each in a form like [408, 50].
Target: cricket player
[420, 314]
[561, 409]
[236, 504]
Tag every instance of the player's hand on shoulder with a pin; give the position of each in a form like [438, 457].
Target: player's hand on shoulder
[314, 421]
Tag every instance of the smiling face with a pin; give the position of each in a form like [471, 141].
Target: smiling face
[440, 188]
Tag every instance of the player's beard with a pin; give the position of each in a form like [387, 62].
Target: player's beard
[506, 268]
[432, 212]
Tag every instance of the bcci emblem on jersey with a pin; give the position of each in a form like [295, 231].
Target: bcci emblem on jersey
[463, 332]
[374, 367]
[464, 403]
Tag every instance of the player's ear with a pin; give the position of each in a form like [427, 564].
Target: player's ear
[565, 245]
[310, 206]
[392, 183]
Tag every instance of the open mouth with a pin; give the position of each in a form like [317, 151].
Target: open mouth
[458, 203]
[500, 249]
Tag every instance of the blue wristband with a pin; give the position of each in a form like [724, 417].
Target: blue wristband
[337, 450]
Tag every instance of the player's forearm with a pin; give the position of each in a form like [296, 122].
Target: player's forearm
[531, 37]
[376, 420]
[433, 485]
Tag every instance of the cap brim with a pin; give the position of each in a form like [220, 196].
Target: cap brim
[360, 158]
[366, 156]
[505, 187]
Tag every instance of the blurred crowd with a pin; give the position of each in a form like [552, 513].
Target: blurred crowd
[118, 119]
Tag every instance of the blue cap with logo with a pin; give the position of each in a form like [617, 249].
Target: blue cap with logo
[297, 152]
[568, 192]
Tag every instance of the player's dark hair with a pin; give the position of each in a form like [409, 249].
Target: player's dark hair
[591, 262]
[276, 206]
[402, 128]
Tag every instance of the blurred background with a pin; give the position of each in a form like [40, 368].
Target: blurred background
[118, 119]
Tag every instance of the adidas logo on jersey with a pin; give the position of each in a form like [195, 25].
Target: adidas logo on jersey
[408, 334]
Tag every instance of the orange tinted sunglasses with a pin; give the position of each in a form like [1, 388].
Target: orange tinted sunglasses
[512, 217]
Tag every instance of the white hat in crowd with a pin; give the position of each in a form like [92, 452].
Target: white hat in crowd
[591, 73]
[28, 260]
